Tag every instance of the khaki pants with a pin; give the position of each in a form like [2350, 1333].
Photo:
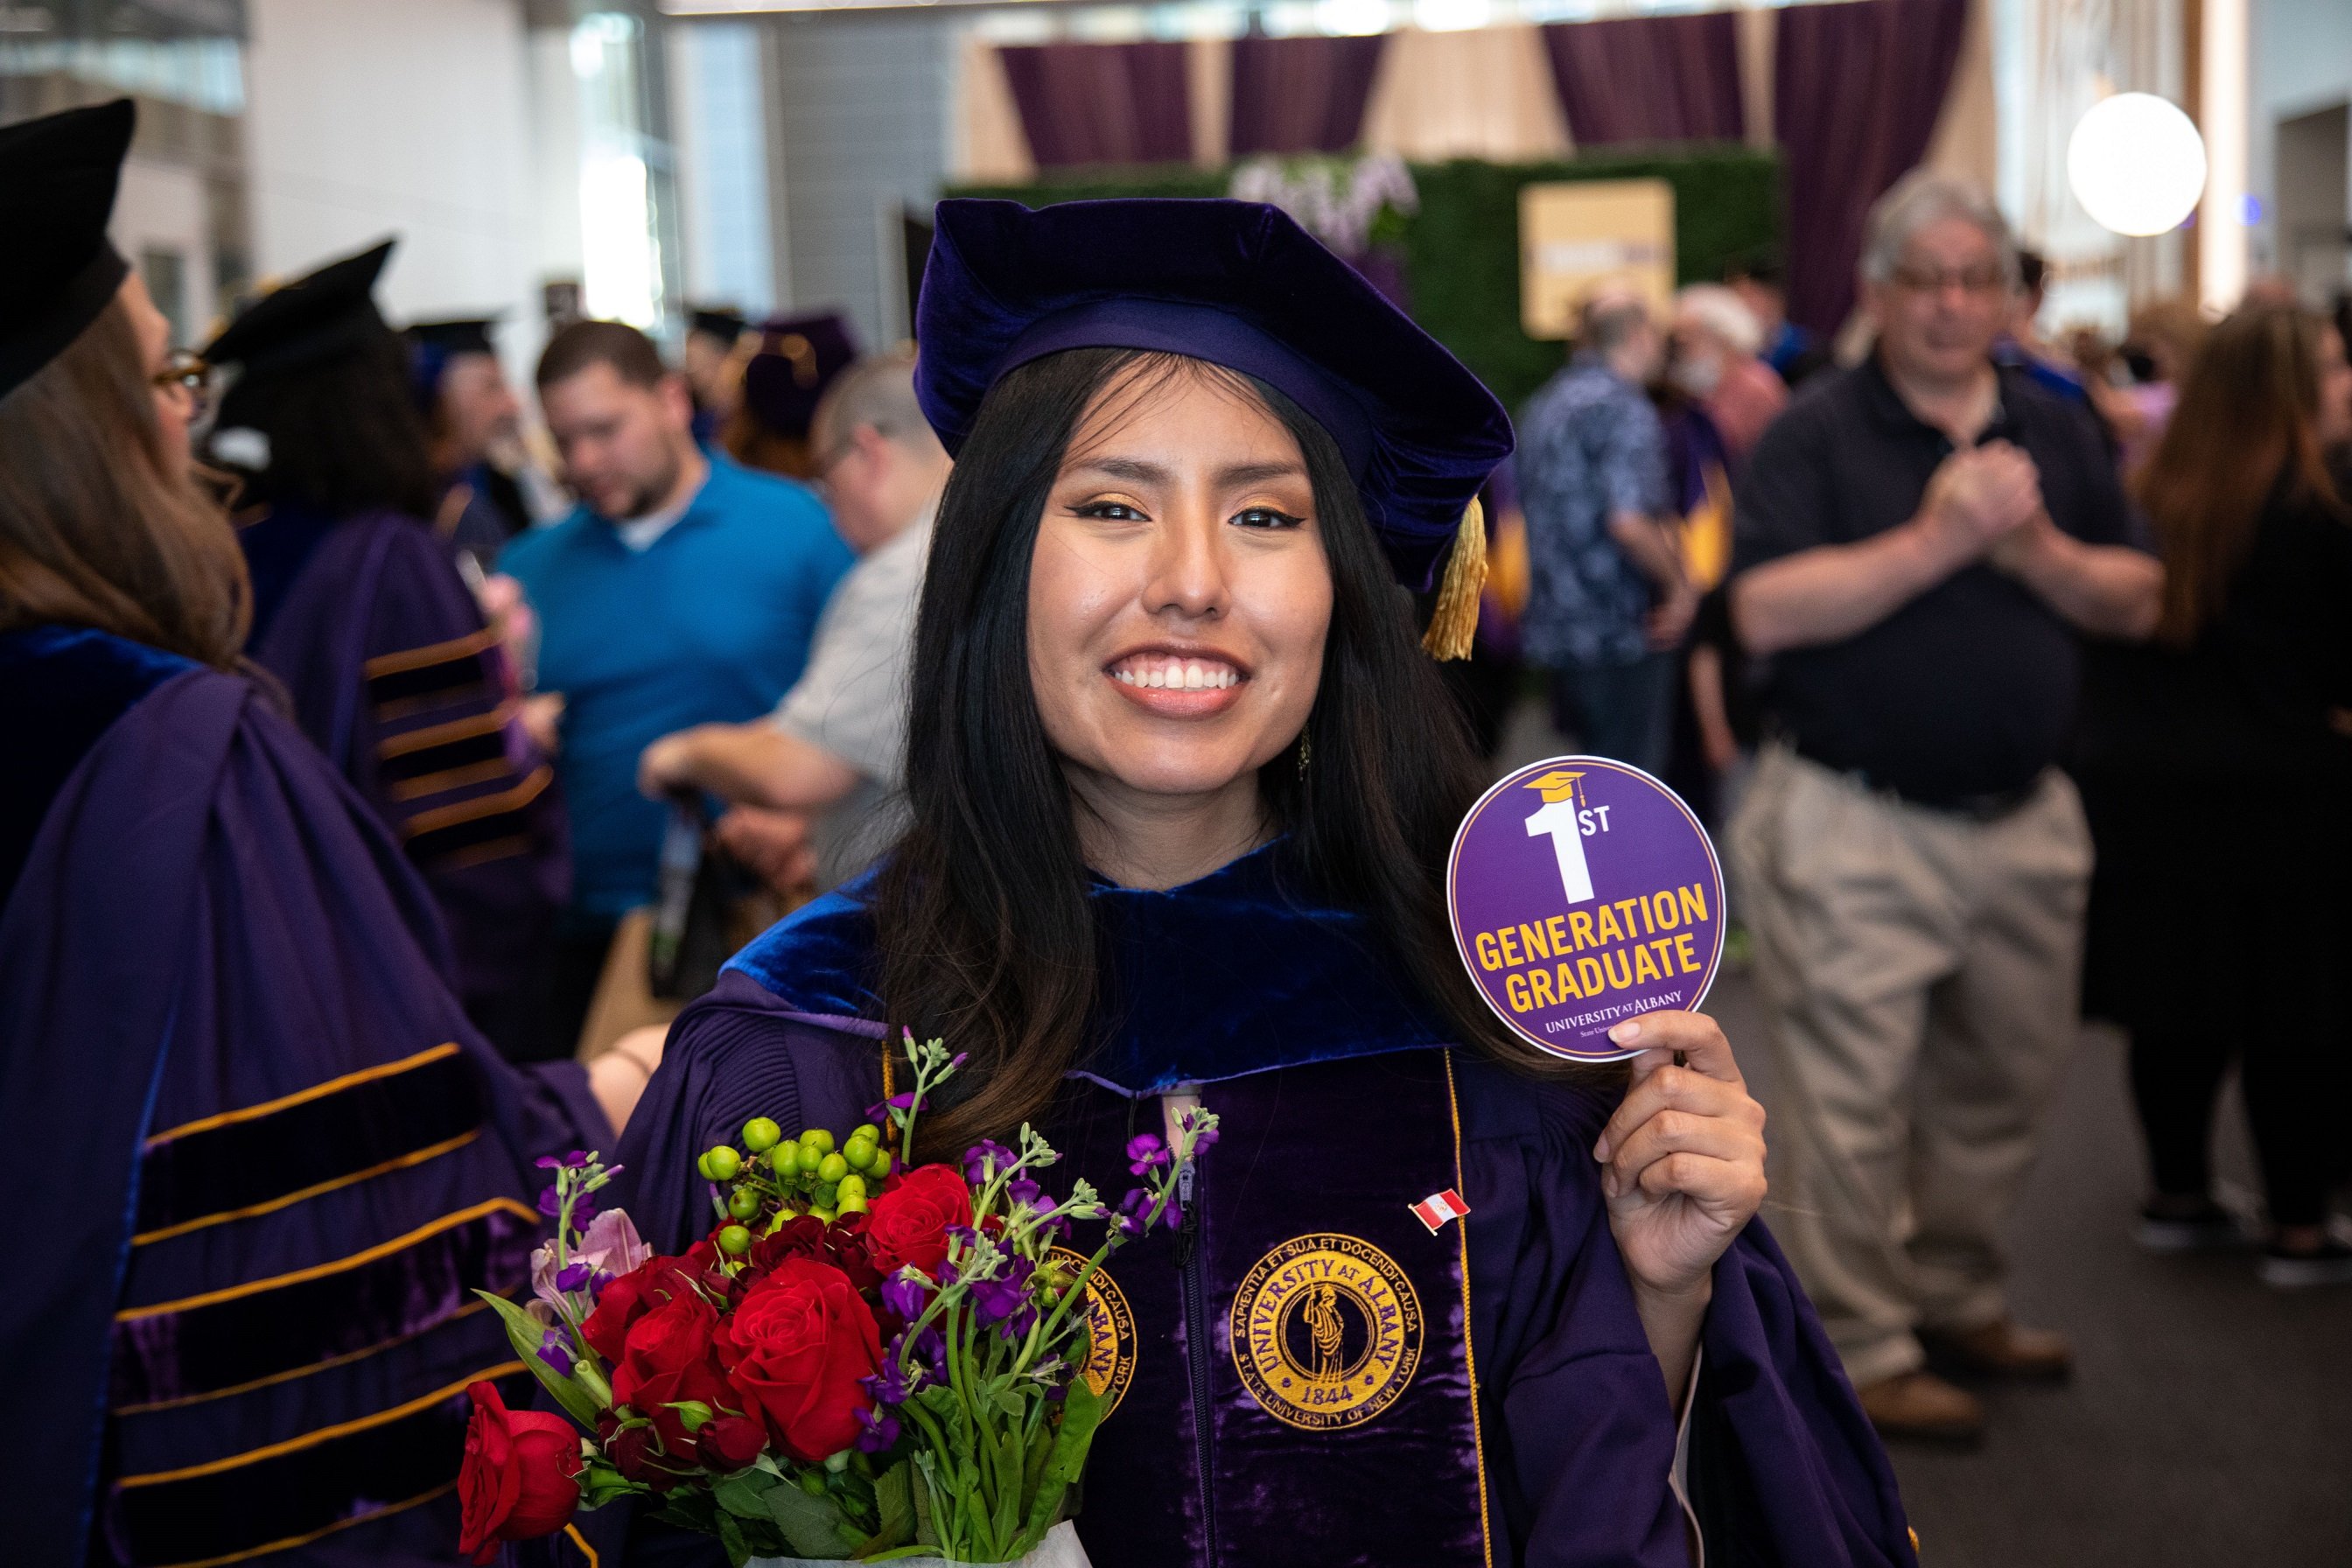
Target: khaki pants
[1919, 971]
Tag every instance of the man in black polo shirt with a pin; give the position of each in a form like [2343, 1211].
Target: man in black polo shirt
[1919, 540]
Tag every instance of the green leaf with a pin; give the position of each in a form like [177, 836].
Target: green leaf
[1081, 1413]
[809, 1523]
[1006, 1523]
[730, 1536]
[927, 1529]
[744, 1493]
[1011, 1402]
[894, 1500]
[599, 1483]
[692, 1414]
[526, 1334]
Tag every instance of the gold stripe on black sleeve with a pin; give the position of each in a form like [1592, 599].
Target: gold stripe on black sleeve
[276, 1498]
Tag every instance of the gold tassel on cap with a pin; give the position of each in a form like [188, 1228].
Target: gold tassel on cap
[1453, 623]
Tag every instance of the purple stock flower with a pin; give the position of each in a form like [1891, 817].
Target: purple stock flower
[555, 1352]
[1132, 1208]
[1204, 1136]
[1005, 1297]
[577, 1160]
[876, 1431]
[573, 1277]
[547, 1162]
[896, 1102]
[550, 1202]
[906, 1294]
[1146, 1153]
[584, 1208]
[889, 1386]
[976, 1160]
[1021, 1189]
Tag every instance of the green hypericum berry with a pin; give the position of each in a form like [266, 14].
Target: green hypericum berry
[809, 1158]
[852, 1203]
[860, 1155]
[867, 1131]
[851, 1185]
[824, 1213]
[721, 1163]
[832, 1168]
[818, 1139]
[734, 1240]
[881, 1165]
[760, 1135]
[743, 1203]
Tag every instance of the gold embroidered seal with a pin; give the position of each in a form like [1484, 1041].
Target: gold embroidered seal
[1110, 1332]
[1326, 1331]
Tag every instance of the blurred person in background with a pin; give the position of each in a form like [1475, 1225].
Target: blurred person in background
[2159, 345]
[259, 1163]
[797, 358]
[833, 747]
[475, 422]
[713, 360]
[1608, 598]
[1795, 354]
[1714, 359]
[359, 609]
[2217, 765]
[1919, 543]
[2024, 348]
[682, 590]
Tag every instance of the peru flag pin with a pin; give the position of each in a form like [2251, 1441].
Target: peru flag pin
[1438, 1207]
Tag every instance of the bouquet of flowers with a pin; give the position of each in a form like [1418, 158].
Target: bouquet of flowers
[866, 1359]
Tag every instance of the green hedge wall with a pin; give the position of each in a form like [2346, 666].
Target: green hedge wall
[1461, 249]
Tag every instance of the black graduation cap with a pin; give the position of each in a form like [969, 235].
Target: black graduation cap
[58, 269]
[717, 321]
[470, 335]
[308, 320]
[797, 360]
[1241, 285]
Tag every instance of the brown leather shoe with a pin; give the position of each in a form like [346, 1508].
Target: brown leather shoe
[1921, 1404]
[2003, 1349]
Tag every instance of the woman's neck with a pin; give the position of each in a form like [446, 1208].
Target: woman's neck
[1139, 839]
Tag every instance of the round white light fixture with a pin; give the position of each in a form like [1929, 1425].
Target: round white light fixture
[2136, 164]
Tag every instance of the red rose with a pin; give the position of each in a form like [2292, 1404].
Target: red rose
[665, 1360]
[795, 1349]
[633, 1295]
[519, 1478]
[731, 1442]
[908, 1223]
[841, 1243]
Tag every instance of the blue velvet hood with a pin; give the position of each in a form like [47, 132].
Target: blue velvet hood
[1201, 976]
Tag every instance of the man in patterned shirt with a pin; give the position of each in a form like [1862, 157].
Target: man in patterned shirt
[1608, 600]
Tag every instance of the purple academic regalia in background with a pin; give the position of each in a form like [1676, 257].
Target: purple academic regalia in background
[259, 1160]
[1334, 1081]
[395, 676]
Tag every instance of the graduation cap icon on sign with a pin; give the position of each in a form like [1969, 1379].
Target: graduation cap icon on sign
[1556, 819]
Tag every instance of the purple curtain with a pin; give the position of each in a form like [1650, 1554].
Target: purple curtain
[1649, 78]
[1301, 95]
[1102, 103]
[1857, 88]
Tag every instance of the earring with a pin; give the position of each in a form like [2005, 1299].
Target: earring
[1306, 753]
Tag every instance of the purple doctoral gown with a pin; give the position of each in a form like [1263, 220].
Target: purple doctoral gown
[258, 1162]
[393, 675]
[1335, 1083]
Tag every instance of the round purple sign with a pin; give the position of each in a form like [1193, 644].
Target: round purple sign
[1584, 891]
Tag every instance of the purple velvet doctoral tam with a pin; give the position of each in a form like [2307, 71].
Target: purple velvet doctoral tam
[259, 1160]
[1344, 1103]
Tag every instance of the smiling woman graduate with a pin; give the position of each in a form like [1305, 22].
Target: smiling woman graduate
[1182, 787]
[258, 1161]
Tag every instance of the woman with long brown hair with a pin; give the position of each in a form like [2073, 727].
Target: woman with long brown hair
[2217, 764]
[258, 1160]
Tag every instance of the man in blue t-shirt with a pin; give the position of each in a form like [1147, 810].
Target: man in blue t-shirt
[682, 590]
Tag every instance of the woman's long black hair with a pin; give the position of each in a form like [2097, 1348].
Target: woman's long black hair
[345, 435]
[984, 928]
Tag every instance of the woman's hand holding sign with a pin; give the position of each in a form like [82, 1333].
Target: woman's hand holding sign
[1683, 1171]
